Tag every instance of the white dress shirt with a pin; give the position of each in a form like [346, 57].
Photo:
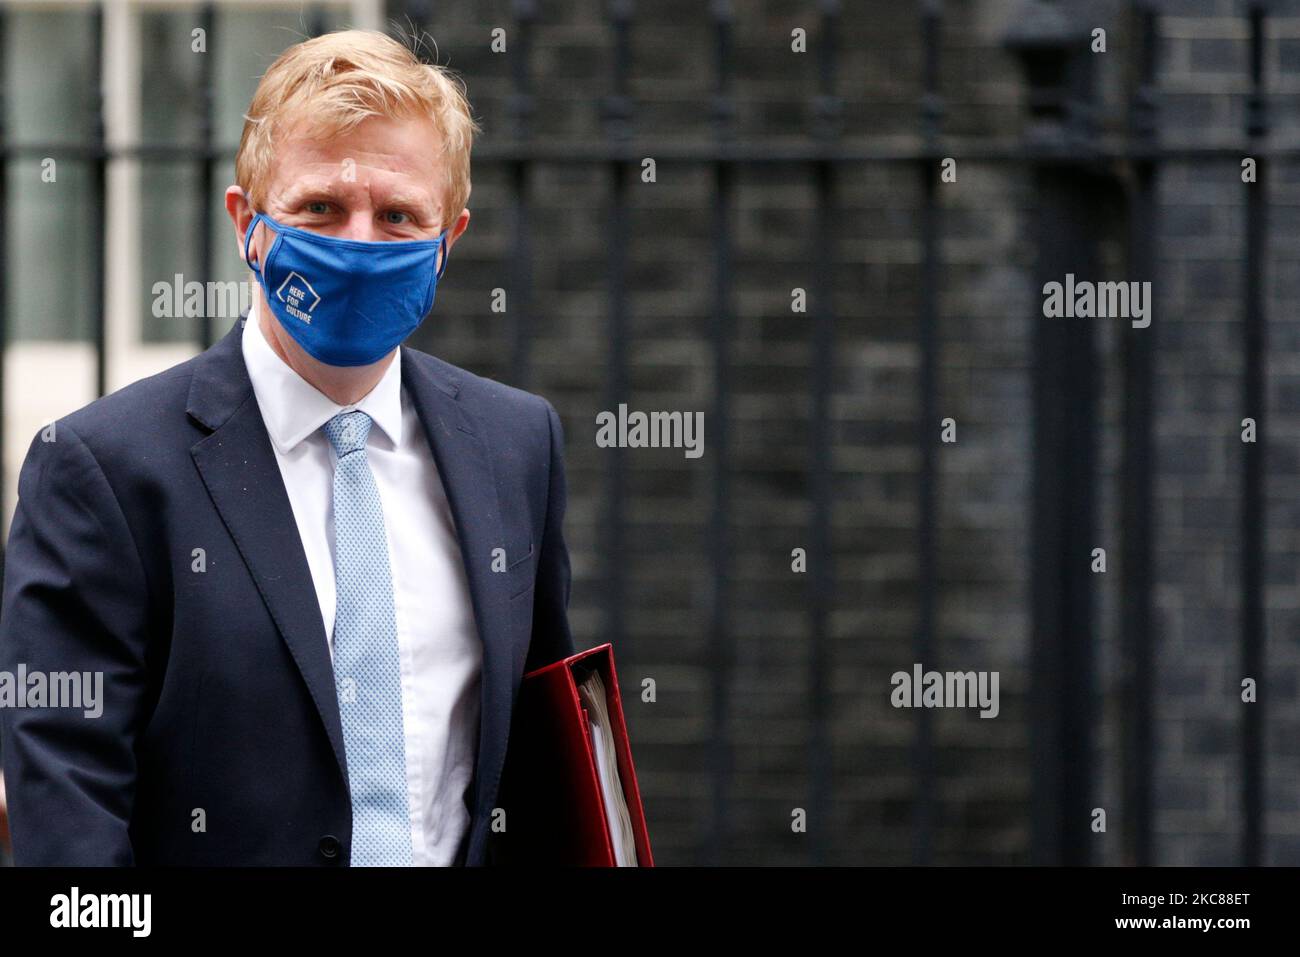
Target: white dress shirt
[438, 644]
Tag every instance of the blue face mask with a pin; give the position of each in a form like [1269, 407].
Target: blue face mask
[347, 302]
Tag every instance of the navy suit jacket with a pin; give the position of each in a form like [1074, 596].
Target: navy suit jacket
[219, 700]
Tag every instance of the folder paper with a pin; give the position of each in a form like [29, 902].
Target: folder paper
[569, 788]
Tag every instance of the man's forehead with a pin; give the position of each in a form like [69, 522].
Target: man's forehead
[394, 137]
[383, 156]
[341, 184]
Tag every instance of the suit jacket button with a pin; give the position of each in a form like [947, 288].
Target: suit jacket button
[329, 847]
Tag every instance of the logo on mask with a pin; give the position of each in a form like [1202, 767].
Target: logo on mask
[295, 291]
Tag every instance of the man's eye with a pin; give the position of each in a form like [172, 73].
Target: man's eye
[393, 217]
[319, 208]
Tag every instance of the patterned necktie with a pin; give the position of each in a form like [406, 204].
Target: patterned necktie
[367, 672]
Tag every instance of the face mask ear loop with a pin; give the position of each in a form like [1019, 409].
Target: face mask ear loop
[445, 251]
[248, 239]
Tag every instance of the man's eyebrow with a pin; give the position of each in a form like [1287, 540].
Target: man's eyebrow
[299, 192]
[406, 198]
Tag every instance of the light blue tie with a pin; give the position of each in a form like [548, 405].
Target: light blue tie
[367, 671]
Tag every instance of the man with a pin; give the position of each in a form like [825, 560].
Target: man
[310, 564]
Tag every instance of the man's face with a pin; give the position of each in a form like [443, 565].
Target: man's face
[382, 181]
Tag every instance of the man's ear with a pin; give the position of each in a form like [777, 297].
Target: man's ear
[240, 211]
[458, 227]
[453, 233]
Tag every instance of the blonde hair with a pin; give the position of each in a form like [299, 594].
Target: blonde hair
[333, 82]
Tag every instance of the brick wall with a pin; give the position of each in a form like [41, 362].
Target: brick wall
[988, 307]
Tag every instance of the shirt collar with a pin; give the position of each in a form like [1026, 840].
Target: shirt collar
[293, 408]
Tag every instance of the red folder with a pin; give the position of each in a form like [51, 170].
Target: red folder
[555, 813]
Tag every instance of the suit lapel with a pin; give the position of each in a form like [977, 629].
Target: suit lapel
[465, 468]
[237, 464]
